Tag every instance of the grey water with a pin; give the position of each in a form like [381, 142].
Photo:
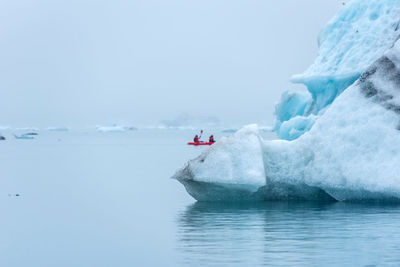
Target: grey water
[83, 198]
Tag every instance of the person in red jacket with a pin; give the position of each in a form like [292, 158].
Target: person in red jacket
[211, 139]
[196, 139]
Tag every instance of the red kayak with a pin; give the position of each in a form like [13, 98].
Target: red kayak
[200, 143]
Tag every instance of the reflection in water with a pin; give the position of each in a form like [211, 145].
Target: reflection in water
[278, 233]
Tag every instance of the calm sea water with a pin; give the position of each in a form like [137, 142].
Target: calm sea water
[106, 199]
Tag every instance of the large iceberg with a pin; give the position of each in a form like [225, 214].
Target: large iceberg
[352, 150]
[357, 36]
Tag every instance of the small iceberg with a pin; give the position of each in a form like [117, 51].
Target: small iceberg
[23, 136]
[115, 128]
[57, 129]
[31, 133]
[27, 129]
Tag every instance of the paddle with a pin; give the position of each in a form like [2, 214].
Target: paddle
[201, 132]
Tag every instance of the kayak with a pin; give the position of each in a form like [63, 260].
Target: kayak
[200, 143]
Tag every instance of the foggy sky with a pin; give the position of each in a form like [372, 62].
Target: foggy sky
[79, 62]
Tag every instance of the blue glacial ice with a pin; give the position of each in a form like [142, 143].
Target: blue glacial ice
[348, 150]
[357, 36]
[294, 115]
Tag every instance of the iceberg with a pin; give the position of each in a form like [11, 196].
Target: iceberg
[357, 36]
[27, 129]
[347, 150]
[57, 129]
[115, 128]
[188, 122]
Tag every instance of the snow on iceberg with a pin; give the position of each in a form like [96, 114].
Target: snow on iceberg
[351, 153]
[357, 36]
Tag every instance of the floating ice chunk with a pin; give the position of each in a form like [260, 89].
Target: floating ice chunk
[23, 136]
[234, 169]
[27, 129]
[233, 163]
[115, 128]
[58, 129]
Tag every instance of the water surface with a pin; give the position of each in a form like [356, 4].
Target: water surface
[106, 199]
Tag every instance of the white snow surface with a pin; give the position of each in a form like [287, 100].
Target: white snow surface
[352, 151]
[357, 36]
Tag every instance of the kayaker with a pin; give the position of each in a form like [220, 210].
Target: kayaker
[211, 139]
[196, 139]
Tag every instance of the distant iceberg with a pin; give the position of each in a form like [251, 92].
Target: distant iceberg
[29, 128]
[57, 129]
[115, 128]
[346, 149]
[189, 122]
[24, 136]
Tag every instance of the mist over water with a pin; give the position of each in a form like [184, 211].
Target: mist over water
[82, 63]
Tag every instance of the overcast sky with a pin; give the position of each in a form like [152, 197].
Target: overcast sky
[78, 62]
